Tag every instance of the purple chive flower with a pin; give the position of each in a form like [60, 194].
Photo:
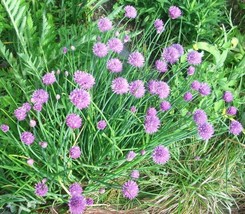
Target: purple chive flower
[27, 138]
[41, 189]
[126, 39]
[191, 70]
[40, 96]
[49, 79]
[130, 12]
[27, 107]
[200, 117]
[33, 123]
[20, 113]
[142, 152]
[231, 110]
[137, 89]
[188, 96]
[130, 189]
[161, 66]
[204, 89]
[75, 189]
[179, 48]
[84, 80]
[152, 124]
[100, 49]
[114, 65]
[194, 58]
[135, 174]
[101, 125]
[130, 156]
[104, 24]
[80, 98]
[159, 25]
[43, 144]
[165, 106]
[205, 131]
[151, 112]
[4, 128]
[195, 85]
[235, 127]
[136, 59]
[120, 85]
[160, 155]
[174, 12]
[77, 204]
[115, 45]
[159, 87]
[89, 201]
[227, 96]
[74, 121]
[65, 49]
[133, 109]
[171, 55]
[75, 152]
[38, 107]
[30, 162]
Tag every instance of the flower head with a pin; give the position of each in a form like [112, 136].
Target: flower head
[195, 85]
[136, 59]
[75, 152]
[159, 87]
[165, 106]
[115, 45]
[100, 49]
[33, 123]
[228, 97]
[174, 12]
[49, 78]
[77, 204]
[40, 96]
[204, 89]
[41, 189]
[74, 121]
[80, 98]
[130, 156]
[133, 109]
[135, 174]
[20, 113]
[43, 144]
[130, 189]
[159, 25]
[170, 54]
[137, 89]
[104, 24]
[142, 152]
[205, 131]
[200, 116]
[27, 107]
[160, 155]
[120, 85]
[161, 66]
[130, 12]
[114, 65]
[179, 48]
[151, 112]
[75, 189]
[84, 80]
[231, 110]
[152, 124]
[4, 128]
[194, 58]
[188, 96]
[89, 201]
[27, 138]
[30, 162]
[191, 70]
[101, 125]
[235, 127]
[38, 107]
